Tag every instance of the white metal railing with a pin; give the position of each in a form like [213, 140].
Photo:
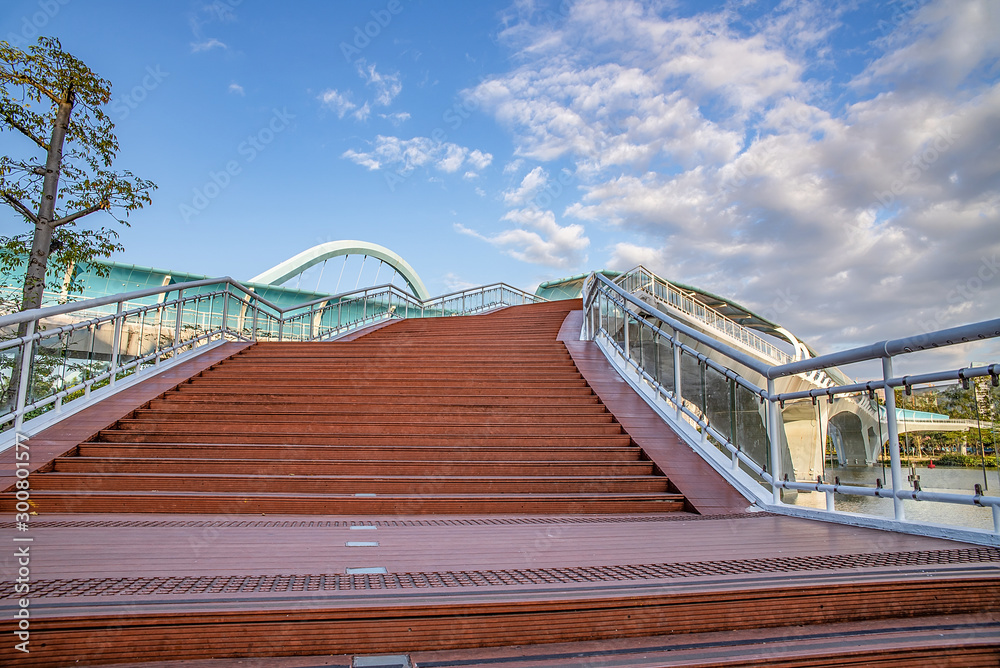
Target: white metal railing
[641, 279]
[59, 354]
[715, 409]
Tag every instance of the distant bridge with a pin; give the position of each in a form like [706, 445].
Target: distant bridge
[855, 423]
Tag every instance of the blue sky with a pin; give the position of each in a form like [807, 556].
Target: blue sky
[833, 165]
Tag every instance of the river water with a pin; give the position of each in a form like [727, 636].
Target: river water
[940, 479]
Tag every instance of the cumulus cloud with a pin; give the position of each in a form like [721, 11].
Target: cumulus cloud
[941, 45]
[405, 155]
[538, 239]
[531, 184]
[236, 89]
[716, 148]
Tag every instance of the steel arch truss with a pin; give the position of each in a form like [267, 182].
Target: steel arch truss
[307, 258]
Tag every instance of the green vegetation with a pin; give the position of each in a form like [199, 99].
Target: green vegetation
[966, 461]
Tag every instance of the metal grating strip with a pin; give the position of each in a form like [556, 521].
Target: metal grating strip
[232, 584]
[333, 524]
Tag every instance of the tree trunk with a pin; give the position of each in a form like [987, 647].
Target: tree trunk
[34, 275]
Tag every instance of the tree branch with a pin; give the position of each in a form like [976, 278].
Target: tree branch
[24, 131]
[23, 210]
[25, 80]
[79, 214]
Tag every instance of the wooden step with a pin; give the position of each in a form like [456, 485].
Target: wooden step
[414, 503]
[294, 485]
[362, 452]
[164, 464]
[363, 440]
[417, 426]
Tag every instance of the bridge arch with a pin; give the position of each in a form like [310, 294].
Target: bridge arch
[296, 265]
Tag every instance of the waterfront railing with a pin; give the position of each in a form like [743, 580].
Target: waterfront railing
[736, 425]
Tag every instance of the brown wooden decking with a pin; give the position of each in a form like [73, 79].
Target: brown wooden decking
[212, 565]
[411, 412]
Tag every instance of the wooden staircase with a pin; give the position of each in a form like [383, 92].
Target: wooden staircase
[483, 414]
[508, 517]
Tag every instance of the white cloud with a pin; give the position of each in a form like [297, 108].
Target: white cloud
[406, 155]
[236, 89]
[207, 45]
[454, 156]
[538, 239]
[363, 112]
[339, 102]
[940, 45]
[531, 184]
[453, 282]
[713, 153]
[513, 167]
[364, 159]
[479, 159]
[396, 118]
[387, 86]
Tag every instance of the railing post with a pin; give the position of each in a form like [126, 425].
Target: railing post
[177, 325]
[116, 342]
[677, 376]
[625, 338]
[893, 429]
[774, 439]
[25, 375]
[225, 311]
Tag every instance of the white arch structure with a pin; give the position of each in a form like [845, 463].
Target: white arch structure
[296, 265]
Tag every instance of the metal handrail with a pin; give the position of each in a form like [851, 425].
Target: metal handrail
[190, 320]
[697, 429]
[743, 334]
[822, 375]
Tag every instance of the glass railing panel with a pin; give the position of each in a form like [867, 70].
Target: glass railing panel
[751, 428]
[647, 348]
[719, 409]
[618, 325]
[692, 382]
[664, 362]
[9, 361]
[634, 338]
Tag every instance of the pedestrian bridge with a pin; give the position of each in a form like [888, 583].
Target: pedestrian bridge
[482, 478]
[854, 423]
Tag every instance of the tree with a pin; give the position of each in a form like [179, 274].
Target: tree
[55, 101]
